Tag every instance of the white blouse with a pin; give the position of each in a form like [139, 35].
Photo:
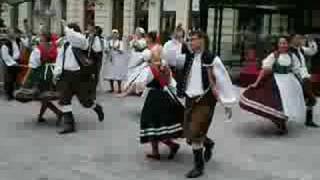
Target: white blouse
[284, 60]
[35, 58]
[170, 50]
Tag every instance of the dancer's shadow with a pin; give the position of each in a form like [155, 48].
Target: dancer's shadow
[266, 129]
[31, 123]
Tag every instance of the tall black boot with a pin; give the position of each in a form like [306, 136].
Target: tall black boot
[309, 119]
[209, 145]
[69, 124]
[198, 168]
[99, 110]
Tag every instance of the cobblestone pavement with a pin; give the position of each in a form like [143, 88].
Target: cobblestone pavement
[246, 147]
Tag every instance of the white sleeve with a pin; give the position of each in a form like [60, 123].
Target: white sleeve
[25, 42]
[35, 59]
[58, 66]
[268, 62]
[146, 54]
[312, 49]
[16, 51]
[76, 39]
[8, 60]
[181, 59]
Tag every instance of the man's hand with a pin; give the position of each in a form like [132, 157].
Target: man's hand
[215, 93]
[63, 22]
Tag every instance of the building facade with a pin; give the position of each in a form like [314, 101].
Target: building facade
[232, 26]
[125, 15]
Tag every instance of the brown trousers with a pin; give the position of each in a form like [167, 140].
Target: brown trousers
[73, 84]
[198, 117]
[309, 96]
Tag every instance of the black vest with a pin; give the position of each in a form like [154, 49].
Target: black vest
[206, 59]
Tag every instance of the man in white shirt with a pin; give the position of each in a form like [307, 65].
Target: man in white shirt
[10, 54]
[173, 46]
[198, 87]
[97, 46]
[72, 81]
[299, 52]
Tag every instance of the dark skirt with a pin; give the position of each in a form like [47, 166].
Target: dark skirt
[264, 101]
[161, 118]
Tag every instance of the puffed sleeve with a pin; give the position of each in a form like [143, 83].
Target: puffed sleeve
[76, 39]
[146, 54]
[312, 49]
[35, 59]
[268, 62]
[58, 66]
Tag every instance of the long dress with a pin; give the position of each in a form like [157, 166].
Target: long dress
[280, 97]
[118, 62]
[161, 116]
[139, 57]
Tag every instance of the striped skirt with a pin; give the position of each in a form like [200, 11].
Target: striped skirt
[264, 101]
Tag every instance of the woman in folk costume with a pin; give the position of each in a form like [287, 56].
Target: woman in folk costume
[40, 73]
[118, 62]
[277, 93]
[161, 114]
[137, 62]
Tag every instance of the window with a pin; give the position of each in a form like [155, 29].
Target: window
[168, 19]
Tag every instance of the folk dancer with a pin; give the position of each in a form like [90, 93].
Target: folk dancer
[277, 93]
[10, 55]
[202, 88]
[174, 45]
[300, 52]
[40, 74]
[161, 118]
[118, 62]
[97, 46]
[72, 80]
[139, 58]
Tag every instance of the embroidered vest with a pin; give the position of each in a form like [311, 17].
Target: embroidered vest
[206, 59]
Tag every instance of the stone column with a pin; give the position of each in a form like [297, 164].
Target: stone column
[56, 7]
[5, 15]
[154, 15]
[23, 14]
[183, 13]
[128, 17]
[103, 16]
[75, 12]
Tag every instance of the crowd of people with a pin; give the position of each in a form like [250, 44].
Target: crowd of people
[181, 81]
